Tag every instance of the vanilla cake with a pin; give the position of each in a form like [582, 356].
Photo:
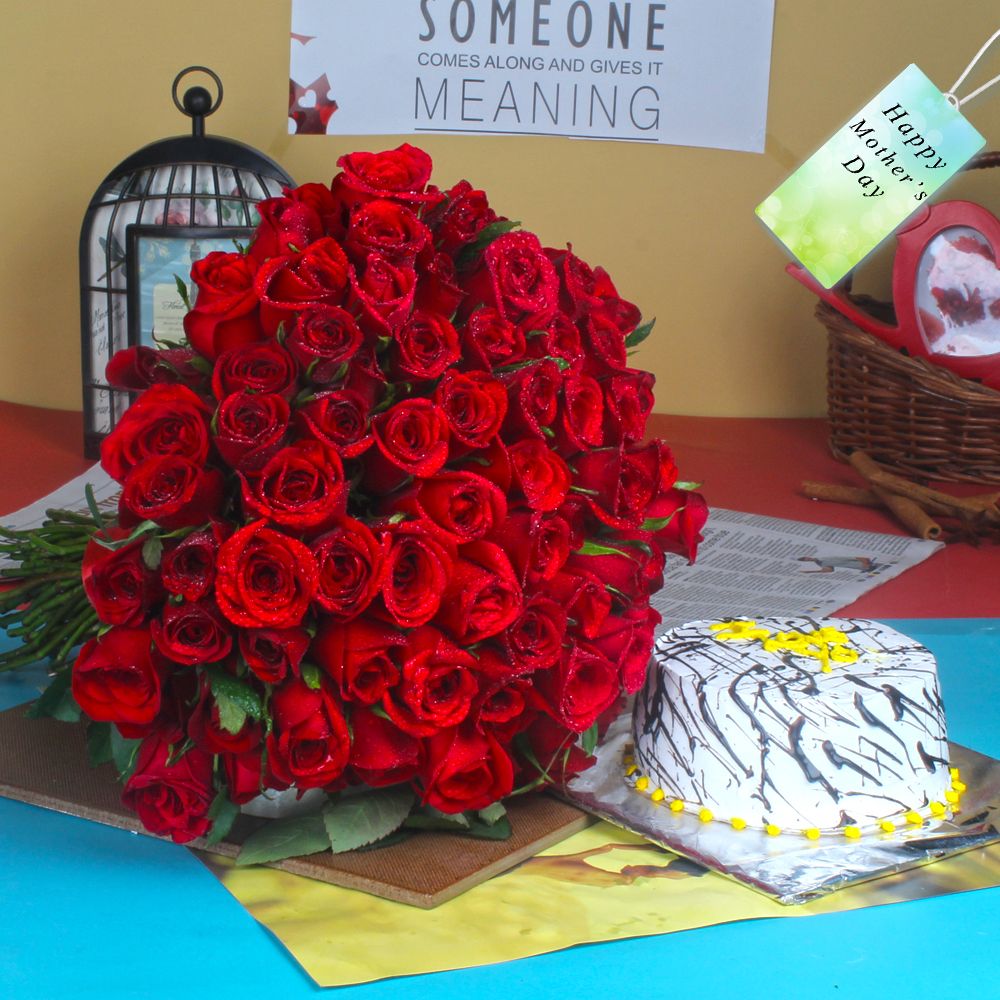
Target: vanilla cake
[794, 725]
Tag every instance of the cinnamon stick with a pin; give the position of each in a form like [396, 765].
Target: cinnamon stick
[838, 493]
[909, 513]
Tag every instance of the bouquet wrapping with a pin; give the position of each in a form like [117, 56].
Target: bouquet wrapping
[388, 524]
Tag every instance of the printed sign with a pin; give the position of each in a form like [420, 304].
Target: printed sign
[688, 72]
[875, 172]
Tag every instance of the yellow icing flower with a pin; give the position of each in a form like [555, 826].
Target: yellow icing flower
[642, 784]
[826, 668]
[736, 630]
[852, 832]
[829, 634]
[676, 805]
[887, 826]
[937, 809]
[657, 795]
[914, 818]
[738, 824]
[787, 642]
[771, 830]
[843, 654]
[812, 833]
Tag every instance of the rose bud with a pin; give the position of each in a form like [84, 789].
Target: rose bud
[474, 404]
[387, 228]
[534, 640]
[532, 400]
[172, 491]
[628, 399]
[192, 633]
[299, 487]
[291, 282]
[322, 340]
[437, 290]
[226, 312]
[383, 292]
[164, 420]
[273, 653]
[418, 567]
[351, 566]
[381, 753]
[537, 545]
[117, 582]
[357, 656]
[584, 597]
[467, 214]
[541, 474]
[578, 688]
[582, 417]
[412, 440]
[337, 419]
[425, 346]
[188, 569]
[605, 346]
[627, 640]
[482, 596]
[115, 678]
[171, 801]
[285, 227]
[464, 769]
[491, 341]
[437, 686]
[251, 427]
[264, 578]
[257, 368]
[687, 513]
[562, 340]
[310, 743]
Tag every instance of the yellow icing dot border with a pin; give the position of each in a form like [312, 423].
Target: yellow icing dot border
[889, 824]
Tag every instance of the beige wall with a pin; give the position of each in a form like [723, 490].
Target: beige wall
[85, 82]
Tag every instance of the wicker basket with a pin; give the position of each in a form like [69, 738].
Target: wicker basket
[907, 413]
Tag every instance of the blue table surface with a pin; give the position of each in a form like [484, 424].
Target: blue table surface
[89, 911]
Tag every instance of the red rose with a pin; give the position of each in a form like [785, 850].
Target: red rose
[503, 708]
[381, 753]
[225, 312]
[426, 344]
[260, 368]
[474, 404]
[541, 474]
[418, 567]
[483, 596]
[587, 289]
[243, 776]
[337, 419]
[627, 640]
[357, 657]
[250, 428]
[438, 290]
[584, 597]
[562, 340]
[320, 199]
[299, 487]
[492, 462]
[629, 402]
[164, 420]
[687, 513]
[310, 743]
[523, 281]
[191, 634]
[401, 174]
[619, 484]
[556, 751]
[605, 345]
[537, 545]
[462, 504]
[532, 400]
[387, 228]
[171, 801]
[623, 571]
[323, 338]
[273, 653]
[468, 212]
[582, 414]
[534, 640]
[464, 770]
[491, 340]
[350, 562]
[172, 491]
[412, 439]
[437, 686]
[289, 283]
[264, 579]
[188, 569]
[286, 226]
[115, 678]
[208, 733]
[384, 294]
[579, 687]
[137, 368]
[117, 582]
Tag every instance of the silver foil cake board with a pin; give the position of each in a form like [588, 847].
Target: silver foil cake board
[789, 868]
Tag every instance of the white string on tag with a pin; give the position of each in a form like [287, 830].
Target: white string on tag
[950, 92]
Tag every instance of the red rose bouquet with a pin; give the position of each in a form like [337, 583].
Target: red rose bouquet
[388, 525]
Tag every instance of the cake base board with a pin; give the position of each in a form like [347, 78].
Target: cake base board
[44, 762]
[789, 868]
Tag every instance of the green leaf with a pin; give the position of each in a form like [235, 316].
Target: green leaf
[588, 741]
[183, 292]
[285, 838]
[88, 492]
[358, 820]
[311, 676]
[225, 686]
[492, 814]
[639, 334]
[655, 523]
[99, 743]
[429, 818]
[687, 486]
[124, 753]
[200, 364]
[152, 552]
[594, 549]
[500, 830]
[232, 718]
[56, 701]
[222, 813]
[484, 238]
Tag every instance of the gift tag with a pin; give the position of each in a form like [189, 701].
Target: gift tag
[880, 167]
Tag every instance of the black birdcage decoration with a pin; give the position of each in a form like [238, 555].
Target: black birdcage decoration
[165, 206]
